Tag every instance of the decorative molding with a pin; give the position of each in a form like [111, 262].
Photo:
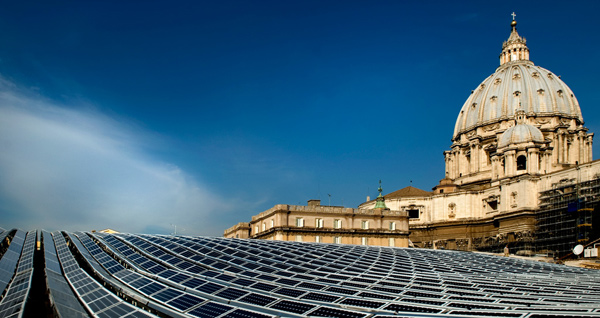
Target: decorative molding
[491, 127]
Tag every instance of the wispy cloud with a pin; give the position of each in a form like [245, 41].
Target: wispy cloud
[67, 168]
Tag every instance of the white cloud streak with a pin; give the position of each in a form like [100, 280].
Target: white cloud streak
[66, 168]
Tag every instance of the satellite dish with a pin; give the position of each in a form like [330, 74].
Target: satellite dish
[578, 249]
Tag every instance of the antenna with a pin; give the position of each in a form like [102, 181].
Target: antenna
[329, 199]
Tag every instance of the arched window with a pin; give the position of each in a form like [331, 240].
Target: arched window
[521, 162]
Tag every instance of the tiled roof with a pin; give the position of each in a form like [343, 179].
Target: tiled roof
[409, 191]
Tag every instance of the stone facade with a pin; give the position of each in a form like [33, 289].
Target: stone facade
[326, 224]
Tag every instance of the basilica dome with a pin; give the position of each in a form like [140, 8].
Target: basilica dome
[520, 113]
[517, 84]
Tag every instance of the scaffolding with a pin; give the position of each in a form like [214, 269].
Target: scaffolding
[568, 216]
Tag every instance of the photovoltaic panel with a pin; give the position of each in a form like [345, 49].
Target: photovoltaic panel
[185, 302]
[293, 306]
[210, 310]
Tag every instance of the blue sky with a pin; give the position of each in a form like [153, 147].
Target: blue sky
[143, 115]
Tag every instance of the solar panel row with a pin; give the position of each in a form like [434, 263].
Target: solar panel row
[8, 262]
[13, 303]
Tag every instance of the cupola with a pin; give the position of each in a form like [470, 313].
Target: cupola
[515, 48]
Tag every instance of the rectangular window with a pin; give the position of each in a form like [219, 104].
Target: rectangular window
[337, 224]
[264, 226]
[272, 223]
[392, 226]
[318, 239]
[299, 222]
[413, 214]
[364, 241]
[298, 238]
[319, 223]
[364, 225]
[256, 229]
[337, 240]
[392, 242]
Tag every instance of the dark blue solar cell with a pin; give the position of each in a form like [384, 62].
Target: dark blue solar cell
[179, 278]
[184, 265]
[332, 312]
[418, 294]
[232, 293]
[140, 282]
[341, 290]
[210, 310]
[251, 265]
[267, 277]
[289, 282]
[290, 292]
[243, 282]
[168, 273]
[187, 254]
[185, 302]
[426, 301]
[196, 269]
[118, 310]
[325, 280]
[373, 295]
[321, 297]
[233, 269]
[193, 283]
[241, 313]
[156, 269]
[151, 288]
[258, 299]
[225, 278]
[292, 306]
[209, 288]
[263, 286]
[167, 294]
[265, 269]
[406, 308]
[311, 286]
[211, 273]
[362, 303]
[103, 303]
[219, 265]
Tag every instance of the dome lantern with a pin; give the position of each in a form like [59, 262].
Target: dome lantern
[515, 48]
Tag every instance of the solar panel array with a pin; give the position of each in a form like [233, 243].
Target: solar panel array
[8, 262]
[127, 275]
[13, 302]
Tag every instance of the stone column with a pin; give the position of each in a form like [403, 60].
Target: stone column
[509, 163]
[533, 160]
[565, 158]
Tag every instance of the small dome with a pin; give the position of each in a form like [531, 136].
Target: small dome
[520, 133]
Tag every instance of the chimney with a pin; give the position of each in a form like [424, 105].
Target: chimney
[314, 202]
